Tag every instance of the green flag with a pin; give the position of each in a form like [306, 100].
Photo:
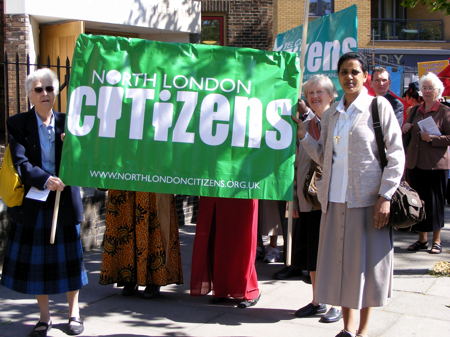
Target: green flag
[181, 118]
[328, 38]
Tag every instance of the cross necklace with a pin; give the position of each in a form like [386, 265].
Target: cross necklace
[339, 127]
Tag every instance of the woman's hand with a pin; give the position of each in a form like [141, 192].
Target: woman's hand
[406, 127]
[301, 129]
[381, 213]
[55, 184]
[426, 137]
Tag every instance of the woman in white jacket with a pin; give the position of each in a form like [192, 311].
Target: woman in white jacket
[355, 258]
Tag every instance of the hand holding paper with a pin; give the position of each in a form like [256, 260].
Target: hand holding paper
[429, 126]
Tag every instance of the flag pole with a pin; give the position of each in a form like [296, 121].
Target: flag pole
[55, 217]
[302, 70]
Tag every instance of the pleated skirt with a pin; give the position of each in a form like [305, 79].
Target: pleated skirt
[33, 266]
[355, 260]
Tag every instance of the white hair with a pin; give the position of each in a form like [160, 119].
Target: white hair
[437, 83]
[322, 80]
[41, 74]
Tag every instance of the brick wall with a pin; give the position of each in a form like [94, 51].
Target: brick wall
[248, 22]
[17, 35]
[289, 14]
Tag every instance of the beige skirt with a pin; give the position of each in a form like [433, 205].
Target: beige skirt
[355, 260]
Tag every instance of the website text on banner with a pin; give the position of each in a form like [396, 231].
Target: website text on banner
[181, 118]
[328, 38]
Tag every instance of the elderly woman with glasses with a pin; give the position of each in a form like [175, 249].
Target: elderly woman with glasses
[32, 265]
[427, 160]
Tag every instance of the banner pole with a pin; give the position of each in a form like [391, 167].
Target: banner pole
[302, 70]
[55, 217]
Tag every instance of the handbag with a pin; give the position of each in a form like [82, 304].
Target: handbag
[407, 208]
[11, 187]
[310, 187]
[407, 136]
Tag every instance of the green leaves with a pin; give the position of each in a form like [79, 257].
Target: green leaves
[432, 5]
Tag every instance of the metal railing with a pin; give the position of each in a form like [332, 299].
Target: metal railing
[407, 30]
[15, 99]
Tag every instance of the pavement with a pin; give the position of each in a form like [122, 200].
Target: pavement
[420, 305]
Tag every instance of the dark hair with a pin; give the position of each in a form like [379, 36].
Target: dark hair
[352, 56]
[413, 91]
[380, 70]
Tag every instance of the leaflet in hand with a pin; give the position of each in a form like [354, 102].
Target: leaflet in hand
[429, 126]
[37, 194]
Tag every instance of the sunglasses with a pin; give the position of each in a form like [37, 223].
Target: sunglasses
[38, 90]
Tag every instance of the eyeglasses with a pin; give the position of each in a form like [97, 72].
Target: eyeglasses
[49, 88]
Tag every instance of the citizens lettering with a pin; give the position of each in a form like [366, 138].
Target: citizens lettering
[242, 120]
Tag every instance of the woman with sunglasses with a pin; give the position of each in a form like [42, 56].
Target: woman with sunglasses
[32, 265]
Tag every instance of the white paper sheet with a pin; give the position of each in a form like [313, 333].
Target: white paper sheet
[37, 194]
[428, 125]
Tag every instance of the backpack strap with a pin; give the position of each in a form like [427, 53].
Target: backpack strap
[378, 133]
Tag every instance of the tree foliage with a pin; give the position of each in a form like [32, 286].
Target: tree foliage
[432, 5]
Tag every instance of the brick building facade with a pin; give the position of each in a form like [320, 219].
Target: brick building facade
[249, 23]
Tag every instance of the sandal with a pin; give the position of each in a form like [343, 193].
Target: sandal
[436, 248]
[40, 329]
[418, 246]
[75, 326]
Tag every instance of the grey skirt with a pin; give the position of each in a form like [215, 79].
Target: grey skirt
[355, 260]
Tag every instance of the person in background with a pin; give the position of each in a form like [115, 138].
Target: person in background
[319, 92]
[223, 258]
[32, 265]
[270, 223]
[412, 97]
[381, 84]
[427, 161]
[141, 246]
[355, 256]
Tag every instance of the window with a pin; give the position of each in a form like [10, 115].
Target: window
[321, 7]
[213, 30]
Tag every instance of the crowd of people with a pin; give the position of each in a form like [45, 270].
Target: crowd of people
[341, 238]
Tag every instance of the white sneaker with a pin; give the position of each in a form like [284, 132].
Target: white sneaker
[272, 254]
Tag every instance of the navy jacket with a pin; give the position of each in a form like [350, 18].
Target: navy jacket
[23, 138]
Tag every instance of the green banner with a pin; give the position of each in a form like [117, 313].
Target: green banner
[181, 118]
[328, 38]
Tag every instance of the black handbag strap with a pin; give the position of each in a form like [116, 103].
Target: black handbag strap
[378, 133]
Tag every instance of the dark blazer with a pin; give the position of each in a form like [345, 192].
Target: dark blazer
[25, 148]
[397, 106]
[433, 155]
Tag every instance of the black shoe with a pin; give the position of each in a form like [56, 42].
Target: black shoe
[218, 300]
[311, 310]
[40, 329]
[75, 326]
[286, 273]
[248, 303]
[151, 291]
[332, 315]
[343, 333]
[129, 289]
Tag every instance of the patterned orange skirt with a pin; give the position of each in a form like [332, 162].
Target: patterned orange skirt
[141, 242]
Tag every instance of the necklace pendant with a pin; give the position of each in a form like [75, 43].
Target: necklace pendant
[337, 139]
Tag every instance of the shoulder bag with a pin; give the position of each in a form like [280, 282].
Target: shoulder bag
[11, 188]
[407, 208]
[310, 187]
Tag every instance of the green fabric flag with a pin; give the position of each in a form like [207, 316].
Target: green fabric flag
[181, 118]
[328, 38]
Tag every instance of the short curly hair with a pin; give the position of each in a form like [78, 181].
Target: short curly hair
[40, 74]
